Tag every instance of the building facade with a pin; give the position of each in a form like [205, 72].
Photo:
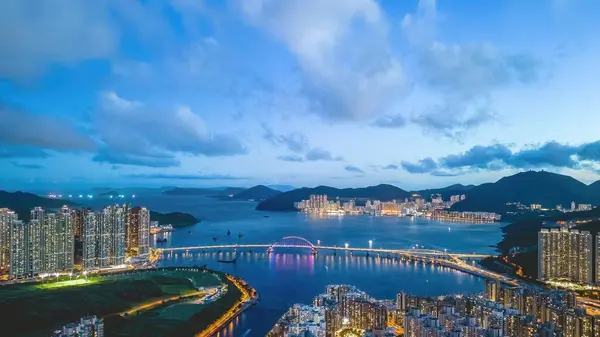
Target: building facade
[7, 217]
[565, 254]
[137, 238]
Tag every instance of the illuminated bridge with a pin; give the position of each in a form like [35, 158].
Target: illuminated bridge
[299, 242]
[452, 260]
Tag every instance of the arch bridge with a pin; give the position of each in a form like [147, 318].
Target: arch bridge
[292, 242]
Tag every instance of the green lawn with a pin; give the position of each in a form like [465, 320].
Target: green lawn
[38, 309]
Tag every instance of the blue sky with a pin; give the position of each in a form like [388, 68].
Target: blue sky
[302, 92]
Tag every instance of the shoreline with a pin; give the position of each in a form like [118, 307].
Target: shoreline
[249, 298]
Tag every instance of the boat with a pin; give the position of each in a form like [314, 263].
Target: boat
[264, 216]
[227, 261]
[228, 232]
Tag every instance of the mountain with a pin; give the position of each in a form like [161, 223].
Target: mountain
[258, 192]
[176, 219]
[22, 202]
[281, 188]
[285, 201]
[446, 192]
[227, 191]
[532, 187]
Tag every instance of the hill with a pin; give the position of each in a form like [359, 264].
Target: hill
[282, 188]
[446, 192]
[285, 201]
[176, 219]
[22, 202]
[532, 187]
[258, 192]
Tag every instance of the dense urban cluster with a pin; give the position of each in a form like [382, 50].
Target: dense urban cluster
[538, 207]
[415, 206]
[89, 326]
[46, 244]
[500, 311]
[566, 255]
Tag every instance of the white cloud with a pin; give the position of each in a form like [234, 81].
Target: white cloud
[135, 134]
[342, 49]
[36, 33]
[461, 75]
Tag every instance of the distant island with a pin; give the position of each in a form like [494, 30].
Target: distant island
[22, 203]
[208, 192]
[532, 187]
[176, 219]
[256, 193]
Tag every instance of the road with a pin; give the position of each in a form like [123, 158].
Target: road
[236, 309]
[156, 303]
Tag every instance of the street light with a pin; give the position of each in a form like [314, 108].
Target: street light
[370, 244]
[346, 245]
[318, 242]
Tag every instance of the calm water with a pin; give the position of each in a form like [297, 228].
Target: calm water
[288, 277]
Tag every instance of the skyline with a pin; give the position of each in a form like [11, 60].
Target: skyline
[239, 93]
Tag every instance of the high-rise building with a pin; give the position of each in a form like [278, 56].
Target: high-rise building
[7, 217]
[34, 247]
[49, 241]
[112, 235]
[19, 264]
[138, 231]
[78, 219]
[492, 290]
[89, 326]
[25, 249]
[565, 254]
[65, 244]
[90, 240]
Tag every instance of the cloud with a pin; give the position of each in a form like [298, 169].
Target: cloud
[354, 169]
[291, 158]
[134, 134]
[390, 121]
[348, 69]
[422, 166]
[12, 151]
[390, 167]
[24, 129]
[498, 156]
[295, 141]
[590, 151]
[136, 157]
[551, 154]
[477, 157]
[193, 176]
[28, 166]
[453, 119]
[321, 154]
[53, 34]
[463, 75]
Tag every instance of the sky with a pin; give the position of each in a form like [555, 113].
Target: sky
[344, 93]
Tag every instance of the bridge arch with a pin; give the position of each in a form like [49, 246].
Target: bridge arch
[292, 242]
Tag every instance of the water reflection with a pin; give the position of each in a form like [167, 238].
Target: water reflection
[296, 276]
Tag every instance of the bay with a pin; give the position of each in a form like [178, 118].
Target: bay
[295, 276]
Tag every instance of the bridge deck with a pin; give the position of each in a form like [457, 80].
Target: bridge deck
[411, 252]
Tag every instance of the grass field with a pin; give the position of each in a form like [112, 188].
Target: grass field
[38, 309]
